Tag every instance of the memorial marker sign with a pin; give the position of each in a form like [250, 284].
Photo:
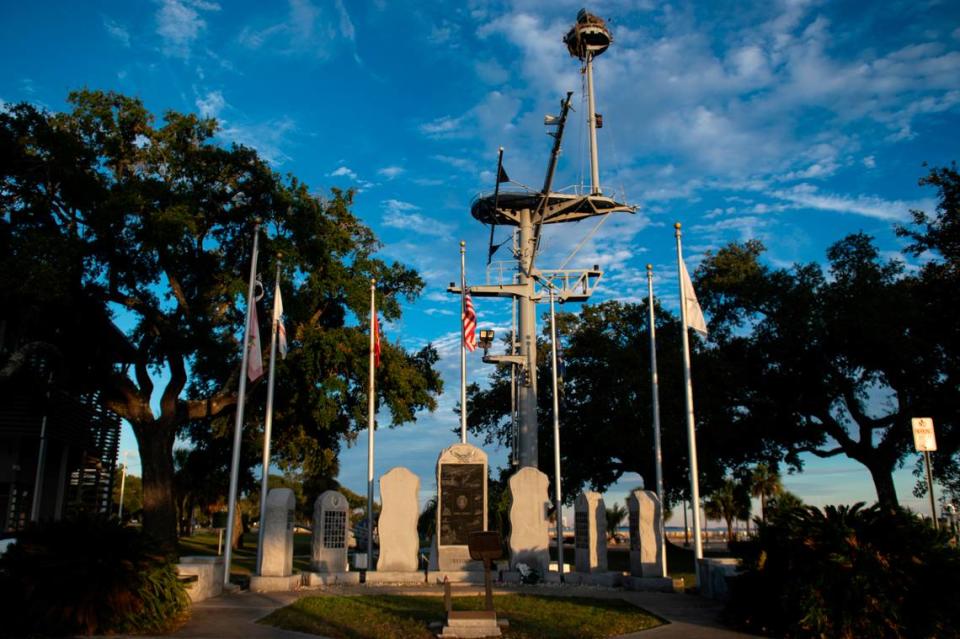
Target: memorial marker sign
[462, 503]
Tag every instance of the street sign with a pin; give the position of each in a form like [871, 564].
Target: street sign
[923, 437]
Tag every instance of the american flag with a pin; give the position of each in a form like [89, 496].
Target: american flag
[469, 324]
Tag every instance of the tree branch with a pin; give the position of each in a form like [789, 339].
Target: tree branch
[822, 454]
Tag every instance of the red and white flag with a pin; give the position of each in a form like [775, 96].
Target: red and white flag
[469, 324]
[376, 341]
[254, 355]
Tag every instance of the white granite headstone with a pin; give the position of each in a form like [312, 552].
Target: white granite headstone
[529, 528]
[646, 542]
[399, 541]
[590, 529]
[331, 521]
[461, 504]
[277, 555]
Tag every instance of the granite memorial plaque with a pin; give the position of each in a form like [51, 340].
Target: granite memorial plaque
[591, 533]
[330, 522]
[461, 504]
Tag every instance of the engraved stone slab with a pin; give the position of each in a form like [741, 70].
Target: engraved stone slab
[278, 534]
[529, 528]
[461, 504]
[331, 521]
[590, 528]
[399, 542]
[646, 541]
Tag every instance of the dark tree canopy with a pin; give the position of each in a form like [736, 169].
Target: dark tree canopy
[836, 361]
[125, 247]
[606, 422]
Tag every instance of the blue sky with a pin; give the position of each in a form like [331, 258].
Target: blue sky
[794, 122]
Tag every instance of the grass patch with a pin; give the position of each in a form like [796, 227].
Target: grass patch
[403, 617]
[205, 543]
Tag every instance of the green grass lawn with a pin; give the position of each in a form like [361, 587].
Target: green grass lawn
[205, 543]
[403, 617]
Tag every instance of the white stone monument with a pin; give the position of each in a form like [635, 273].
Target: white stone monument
[277, 555]
[590, 528]
[529, 532]
[399, 541]
[646, 542]
[331, 520]
[461, 504]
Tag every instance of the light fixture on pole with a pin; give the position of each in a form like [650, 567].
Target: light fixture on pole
[485, 339]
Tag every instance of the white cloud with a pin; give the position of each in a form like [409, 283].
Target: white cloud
[347, 29]
[403, 215]
[268, 138]
[808, 196]
[344, 171]
[391, 172]
[179, 24]
[305, 30]
[117, 31]
[870, 162]
[211, 105]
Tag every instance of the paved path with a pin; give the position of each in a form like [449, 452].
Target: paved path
[233, 616]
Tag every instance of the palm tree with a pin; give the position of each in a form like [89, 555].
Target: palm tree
[764, 483]
[731, 501]
[615, 515]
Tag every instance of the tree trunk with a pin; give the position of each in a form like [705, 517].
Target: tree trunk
[763, 507]
[729, 530]
[159, 507]
[882, 475]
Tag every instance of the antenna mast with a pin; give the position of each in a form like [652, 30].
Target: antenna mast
[528, 211]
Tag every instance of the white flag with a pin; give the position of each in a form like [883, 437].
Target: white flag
[694, 313]
[254, 356]
[278, 320]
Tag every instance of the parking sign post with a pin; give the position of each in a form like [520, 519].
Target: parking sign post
[925, 441]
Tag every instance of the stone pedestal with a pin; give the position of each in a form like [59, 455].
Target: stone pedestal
[331, 520]
[529, 533]
[590, 528]
[277, 553]
[399, 542]
[646, 541]
[461, 504]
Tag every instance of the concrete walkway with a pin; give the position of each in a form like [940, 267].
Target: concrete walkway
[234, 616]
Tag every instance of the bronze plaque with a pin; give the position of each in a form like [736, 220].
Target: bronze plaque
[461, 502]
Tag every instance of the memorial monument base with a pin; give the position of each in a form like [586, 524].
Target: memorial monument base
[319, 579]
[457, 558]
[471, 623]
[259, 583]
[604, 579]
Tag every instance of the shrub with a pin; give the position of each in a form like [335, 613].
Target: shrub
[87, 576]
[847, 571]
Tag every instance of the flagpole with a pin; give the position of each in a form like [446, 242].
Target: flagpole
[558, 504]
[371, 416]
[655, 395]
[463, 343]
[238, 424]
[691, 430]
[268, 422]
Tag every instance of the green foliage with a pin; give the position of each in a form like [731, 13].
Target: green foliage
[607, 425]
[132, 495]
[89, 576]
[730, 501]
[847, 572]
[125, 247]
[615, 516]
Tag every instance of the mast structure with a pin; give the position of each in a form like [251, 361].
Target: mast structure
[528, 212]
